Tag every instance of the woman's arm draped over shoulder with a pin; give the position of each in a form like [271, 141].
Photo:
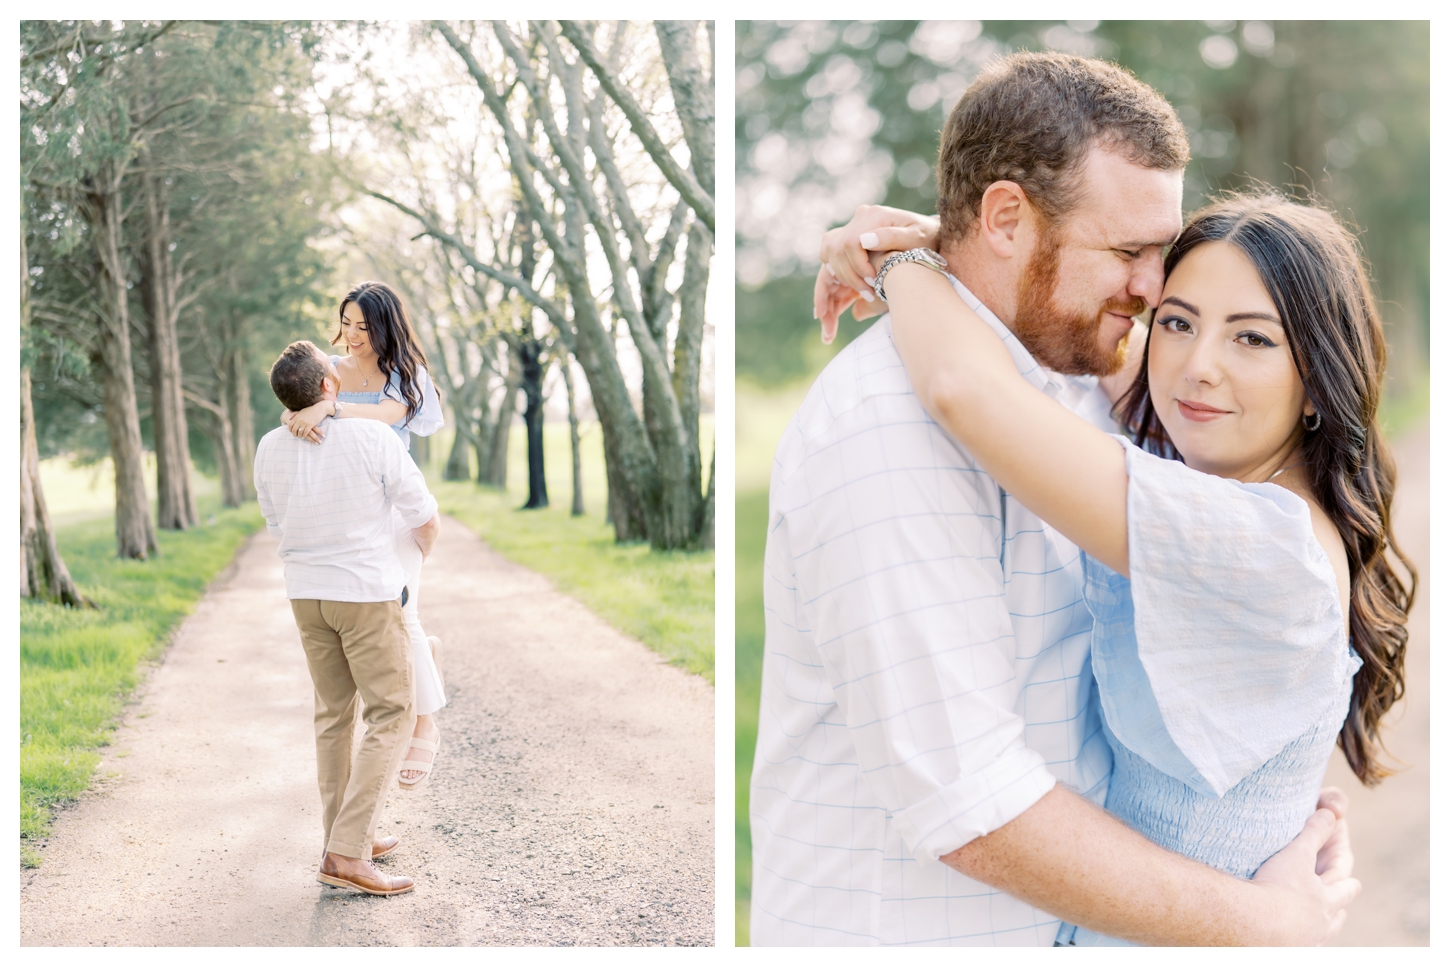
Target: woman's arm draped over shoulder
[1055, 463]
[304, 422]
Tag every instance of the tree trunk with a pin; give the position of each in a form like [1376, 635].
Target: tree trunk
[576, 506]
[43, 574]
[498, 444]
[238, 400]
[533, 386]
[457, 466]
[135, 537]
[460, 400]
[175, 503]
[225, 444]
[707, 512]
[418, 449]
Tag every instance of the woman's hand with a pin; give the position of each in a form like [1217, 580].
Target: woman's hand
[846, 275]
[303, 423]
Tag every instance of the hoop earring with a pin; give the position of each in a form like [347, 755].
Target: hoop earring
[1318, 419]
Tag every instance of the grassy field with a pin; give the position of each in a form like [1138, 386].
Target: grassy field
[77, 667]
[666, 600]
[761, 416]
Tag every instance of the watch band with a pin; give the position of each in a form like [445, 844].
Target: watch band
[923, 256]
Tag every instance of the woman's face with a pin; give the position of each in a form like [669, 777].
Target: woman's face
[355, 333]
[1220, 373]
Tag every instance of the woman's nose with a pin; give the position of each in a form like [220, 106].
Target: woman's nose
[1205, 362]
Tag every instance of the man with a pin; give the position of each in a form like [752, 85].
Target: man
[930, 764]
[331, 503]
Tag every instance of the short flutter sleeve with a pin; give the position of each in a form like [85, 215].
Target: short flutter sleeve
[429, 418]
[1229, 643]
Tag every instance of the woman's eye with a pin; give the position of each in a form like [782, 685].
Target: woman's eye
[1175, 324]
[1256, 341]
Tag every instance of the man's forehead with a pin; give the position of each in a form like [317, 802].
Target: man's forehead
[1127, 205]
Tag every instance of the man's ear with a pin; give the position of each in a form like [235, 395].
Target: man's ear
[1006, 221]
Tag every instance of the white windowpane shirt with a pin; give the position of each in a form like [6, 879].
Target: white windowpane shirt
[926, 673]
[332, 504]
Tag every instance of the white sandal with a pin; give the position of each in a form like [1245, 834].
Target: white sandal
[417, 765]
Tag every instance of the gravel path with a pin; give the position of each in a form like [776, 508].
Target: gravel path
[573, 803]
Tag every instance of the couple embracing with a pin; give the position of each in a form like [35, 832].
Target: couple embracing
[355, 520]
[1066, 614]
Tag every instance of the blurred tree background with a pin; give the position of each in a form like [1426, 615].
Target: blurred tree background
[831, 115]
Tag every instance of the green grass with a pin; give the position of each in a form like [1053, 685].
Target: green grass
[78, 666]
[665, 599]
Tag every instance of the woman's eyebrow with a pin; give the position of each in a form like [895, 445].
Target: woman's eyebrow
[1174, 300]
[1267, 317]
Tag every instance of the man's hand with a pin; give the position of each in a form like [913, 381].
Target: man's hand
[1071, 859]
[846, 275]
[1335, 860]
[427, 535]
[1309, 879]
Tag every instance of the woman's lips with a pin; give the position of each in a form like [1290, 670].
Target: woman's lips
[1198, 412]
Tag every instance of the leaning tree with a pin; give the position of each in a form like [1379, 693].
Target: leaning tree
[590, 137]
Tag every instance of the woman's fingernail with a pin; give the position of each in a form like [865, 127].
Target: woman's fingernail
[832, 271]
[827, 340]
[867, 294]
[871, 281]
[815, 313]
[869, 240]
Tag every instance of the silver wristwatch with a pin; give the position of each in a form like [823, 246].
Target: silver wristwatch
[925, 256]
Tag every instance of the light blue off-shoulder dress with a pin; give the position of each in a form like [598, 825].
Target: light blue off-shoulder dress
[428, 696]
[1223, 668]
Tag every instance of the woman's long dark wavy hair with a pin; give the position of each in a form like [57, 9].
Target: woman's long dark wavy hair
[391, 335]
[1311, 266]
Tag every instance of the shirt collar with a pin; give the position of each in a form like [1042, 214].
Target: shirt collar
[1067, 390]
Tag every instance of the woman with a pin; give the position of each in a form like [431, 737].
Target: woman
[385, 377]
[1251, 513]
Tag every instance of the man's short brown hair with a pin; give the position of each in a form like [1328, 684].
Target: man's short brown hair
[297, 376]
[1031, 118]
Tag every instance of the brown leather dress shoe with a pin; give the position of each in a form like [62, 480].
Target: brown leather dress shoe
[382, 847]
[367, 879]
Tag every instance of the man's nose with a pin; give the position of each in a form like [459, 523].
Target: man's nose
[1146, 281]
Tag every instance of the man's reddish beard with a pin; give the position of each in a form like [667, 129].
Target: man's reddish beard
[1060, 339]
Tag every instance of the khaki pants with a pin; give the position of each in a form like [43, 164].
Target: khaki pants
[357, 651]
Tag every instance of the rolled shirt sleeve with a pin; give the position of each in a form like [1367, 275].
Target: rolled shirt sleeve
[403, 484]
[1240, 638]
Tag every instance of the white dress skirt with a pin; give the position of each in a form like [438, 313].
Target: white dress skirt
[428, 694]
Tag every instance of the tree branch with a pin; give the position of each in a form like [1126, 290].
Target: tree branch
[700, 200]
